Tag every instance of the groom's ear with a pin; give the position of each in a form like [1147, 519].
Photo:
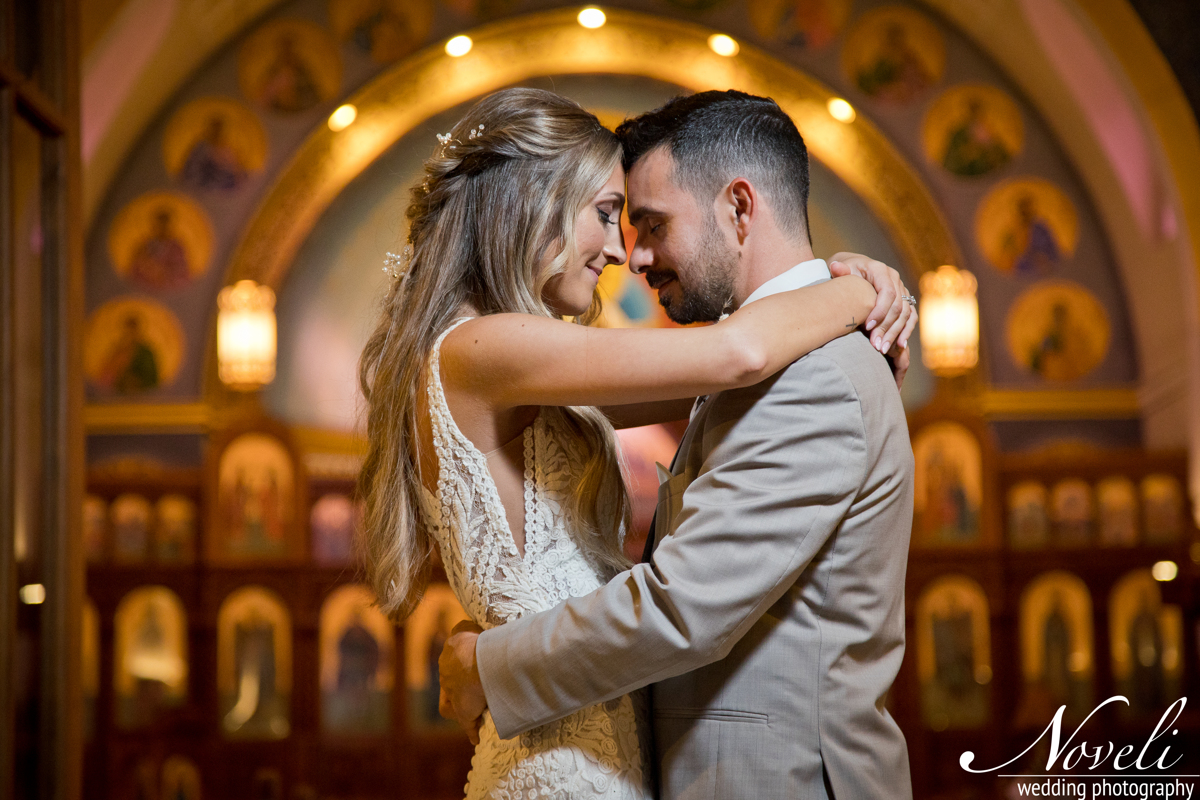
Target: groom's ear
[742, 203]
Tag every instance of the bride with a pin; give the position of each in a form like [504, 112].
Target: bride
[490, 418]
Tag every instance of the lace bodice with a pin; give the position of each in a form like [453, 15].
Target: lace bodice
[594, 752]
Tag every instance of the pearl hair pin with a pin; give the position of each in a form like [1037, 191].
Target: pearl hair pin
[397, 265]
[448, 142]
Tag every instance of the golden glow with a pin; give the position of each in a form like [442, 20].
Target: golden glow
[342, 117]
[723, 45]
[949, 321]
[459, 46]
[1164, 571]
[591, 17]
[32, 594]
[840, 110]
[246, 335]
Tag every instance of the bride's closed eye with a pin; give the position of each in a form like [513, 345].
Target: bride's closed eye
[606, 218]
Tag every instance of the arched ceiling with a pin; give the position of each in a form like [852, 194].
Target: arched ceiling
[137, 53]
[150, 48]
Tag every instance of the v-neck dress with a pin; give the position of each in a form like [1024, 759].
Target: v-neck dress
[592, 753]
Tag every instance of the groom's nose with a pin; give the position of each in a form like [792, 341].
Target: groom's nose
[640, 258]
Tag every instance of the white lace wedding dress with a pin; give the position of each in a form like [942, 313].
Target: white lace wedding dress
[594, 752]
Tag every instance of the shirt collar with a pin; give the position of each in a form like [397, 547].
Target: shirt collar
[803, 274]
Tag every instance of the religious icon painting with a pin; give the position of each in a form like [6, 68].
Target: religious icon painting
[89, 666]
[256, 488]
[802, 24]
[1146, 636]
[254, 665]
[954, 656]
[150, 669]
[333, 522]
[1162, 508]
[948, 486]
[215, 144]
[424, 634]
[289, 65]
[175, 529]
[642, 449]
[1072, 513]
[1028, 523]
[972, 130]
[95, 528]
[696, 6]
[1026, 226]
[357, 663]
[1117, 501]
[131, 518]
[160, 241]
[180, 779]
[386, 30]
[267, 784]
[1056, 647]
[143, 779]
[893, 54]
[132, 346]
[483, 9]
[1058, 330]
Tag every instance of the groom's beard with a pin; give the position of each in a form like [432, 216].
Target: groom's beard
[711, 294]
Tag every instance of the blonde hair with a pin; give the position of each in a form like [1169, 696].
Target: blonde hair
[493, 221]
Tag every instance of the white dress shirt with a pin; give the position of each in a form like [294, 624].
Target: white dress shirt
[803, 274]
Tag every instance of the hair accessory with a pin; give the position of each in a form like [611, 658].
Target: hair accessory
[445, 139]
[476, 131]
[397, 265]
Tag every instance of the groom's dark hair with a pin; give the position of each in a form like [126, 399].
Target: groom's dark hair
[716, 136]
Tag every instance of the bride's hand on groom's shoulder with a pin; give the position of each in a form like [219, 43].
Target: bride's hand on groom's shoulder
[461, 694]
[894, 317]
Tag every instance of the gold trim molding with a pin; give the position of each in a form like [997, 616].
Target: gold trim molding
[148, 417]
[553, 43]
[1060, 404]
[320, 440]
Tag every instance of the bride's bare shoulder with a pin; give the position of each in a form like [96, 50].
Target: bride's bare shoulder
[481, 335]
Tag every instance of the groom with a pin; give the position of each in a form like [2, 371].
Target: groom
[769, 615]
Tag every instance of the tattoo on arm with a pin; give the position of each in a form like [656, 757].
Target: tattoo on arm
[853, 323]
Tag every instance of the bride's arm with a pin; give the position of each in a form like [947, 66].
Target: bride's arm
[892, 321]
[515, 360]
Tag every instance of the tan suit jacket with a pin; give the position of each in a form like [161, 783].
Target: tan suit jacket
[770, 622]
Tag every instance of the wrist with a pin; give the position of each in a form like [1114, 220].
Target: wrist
[865, 295]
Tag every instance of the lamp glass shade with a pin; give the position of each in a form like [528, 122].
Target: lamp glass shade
[246, 341]
[949, 321]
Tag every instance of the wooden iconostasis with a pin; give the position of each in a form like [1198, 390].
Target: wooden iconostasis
[231, 650]
[229, 645]
[1057, 578]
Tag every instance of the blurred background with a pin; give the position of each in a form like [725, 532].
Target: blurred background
[196, 197]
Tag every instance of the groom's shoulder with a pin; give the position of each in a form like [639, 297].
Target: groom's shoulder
[850, 357]
[831, 374]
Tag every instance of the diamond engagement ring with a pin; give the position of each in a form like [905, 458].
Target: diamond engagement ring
[912, 301]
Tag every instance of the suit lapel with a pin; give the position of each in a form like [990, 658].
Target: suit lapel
[677, 463]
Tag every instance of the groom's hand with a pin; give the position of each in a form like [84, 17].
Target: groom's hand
[461, 696]
[893, 319]
[898, 360]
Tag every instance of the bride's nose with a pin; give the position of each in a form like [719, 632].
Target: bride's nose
[614, 246]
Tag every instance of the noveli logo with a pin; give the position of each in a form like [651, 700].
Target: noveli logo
[1097, 768]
